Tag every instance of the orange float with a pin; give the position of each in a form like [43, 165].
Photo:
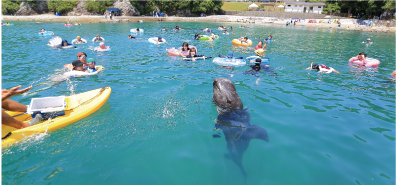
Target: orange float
[239, 43]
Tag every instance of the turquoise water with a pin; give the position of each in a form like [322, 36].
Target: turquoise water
[157, 125]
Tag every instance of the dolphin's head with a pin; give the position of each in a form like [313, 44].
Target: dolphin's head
[225, 95]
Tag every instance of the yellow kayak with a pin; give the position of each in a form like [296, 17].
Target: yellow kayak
[77, 107]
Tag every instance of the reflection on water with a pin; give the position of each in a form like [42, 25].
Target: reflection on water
[331, 128]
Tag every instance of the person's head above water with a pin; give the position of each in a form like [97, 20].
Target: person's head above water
[42, 29]
[260, 43]
[160, 39]
[362, 55]
[257, 61]
[82, 57]
[78, 38]
[77, 65]
[368, 40]
[269, 37]
[193, 51]
[230, 54]
[315, 67]
[185, 46]
[245, 39]
[91, 63]
[64, 43]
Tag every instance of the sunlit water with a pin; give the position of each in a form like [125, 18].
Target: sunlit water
[157, 125]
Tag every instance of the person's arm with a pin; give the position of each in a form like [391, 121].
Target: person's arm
[102, 38]
[181, 52]
[5, 94]
[93, 40]
[265, 45]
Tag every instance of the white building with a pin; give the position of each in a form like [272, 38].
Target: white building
[303, 7]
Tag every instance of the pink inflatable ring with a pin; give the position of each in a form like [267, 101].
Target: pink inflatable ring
[368, 62]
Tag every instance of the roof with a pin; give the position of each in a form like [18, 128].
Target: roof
[304, 3]
[112, 9]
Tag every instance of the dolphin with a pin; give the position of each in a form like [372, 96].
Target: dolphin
[234, 121]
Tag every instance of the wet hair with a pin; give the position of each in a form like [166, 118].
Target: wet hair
[315, 67]
[137, 29]
[192, 49]
[270, 36]
[185, 44]
[261, 42]
[362, 53]
[246, 38]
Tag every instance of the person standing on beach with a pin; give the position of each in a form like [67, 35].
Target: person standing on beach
[111, 18]
[105, 14]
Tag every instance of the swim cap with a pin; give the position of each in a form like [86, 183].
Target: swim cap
[78, 37]
[102, 44]
[230, 54]
[368, 39]
[159, 38]
[90, 60]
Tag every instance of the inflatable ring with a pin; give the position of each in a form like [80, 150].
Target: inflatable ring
[370, 62]
[229, 61]
[45, 33]
[81, 73]
[133, 30]
[100, 49]
[154, 40]
[74, 41]
[205, 37]
[68, 47]
[239, 43]
[68, 24]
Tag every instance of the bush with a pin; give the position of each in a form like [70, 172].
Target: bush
[137, 6]
[324, 12]
[98, 6]
[9, 7]
[62, 6]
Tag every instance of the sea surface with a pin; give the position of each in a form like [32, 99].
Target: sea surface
[157, 126]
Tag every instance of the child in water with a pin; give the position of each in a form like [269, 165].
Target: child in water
[193, 53]
[91, 66]
[160, 40]
[260, 46]
[102, 46]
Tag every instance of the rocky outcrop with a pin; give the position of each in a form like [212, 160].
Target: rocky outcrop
[183, 13]
[125, 8]
[25, 9]
[41, 7]
[80, 9]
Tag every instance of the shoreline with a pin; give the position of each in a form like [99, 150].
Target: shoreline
[348, 24]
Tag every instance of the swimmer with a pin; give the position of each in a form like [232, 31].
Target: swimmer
[78, 66]
[197, 36]
[212, 37]
[245, 40]
[393, 78]
[138, 31]
[322, 68]
[131, 37]
[163, 28]
[193, 53]
[42, 31]
[361, 57]
[79, 41]
[269, 38]
[65, 43]
[259, 67]
[160, 40]
[368, 41]
[98, 39]
[91, 66]
[225, 32]
[177, 27]
[260, 46]
[184, 48]
[102, 46]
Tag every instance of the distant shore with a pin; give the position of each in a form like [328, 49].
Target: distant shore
[215, 18]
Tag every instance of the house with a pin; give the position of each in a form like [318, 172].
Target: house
[304, 7]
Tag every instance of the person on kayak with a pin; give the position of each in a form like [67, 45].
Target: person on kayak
[11, 105]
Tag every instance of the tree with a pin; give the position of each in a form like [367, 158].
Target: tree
[62, 6]
[9, 7]
[98, 6]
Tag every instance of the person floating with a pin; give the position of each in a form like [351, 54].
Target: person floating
[42, 31]
[159, 40]
[98, 38]
[193, 54]
[90, 68]
[78, 40]
[321, 68]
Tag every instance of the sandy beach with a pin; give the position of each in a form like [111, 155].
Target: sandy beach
[349, 24]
